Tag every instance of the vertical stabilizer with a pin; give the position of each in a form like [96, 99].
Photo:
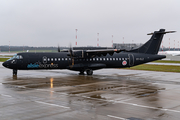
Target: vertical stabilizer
[152, 46]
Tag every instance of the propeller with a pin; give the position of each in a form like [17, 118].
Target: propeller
[59, 48]
[71, 51]
[71, 55]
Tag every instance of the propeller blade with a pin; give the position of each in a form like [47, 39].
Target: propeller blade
[71, 50]
[59, 49]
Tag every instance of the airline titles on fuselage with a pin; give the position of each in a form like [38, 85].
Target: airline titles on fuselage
[40, 65]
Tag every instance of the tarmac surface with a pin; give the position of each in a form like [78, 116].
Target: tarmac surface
[109, 94]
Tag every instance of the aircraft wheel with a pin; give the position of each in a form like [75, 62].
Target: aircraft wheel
[89, 72]
[81, 73]
[14, 72]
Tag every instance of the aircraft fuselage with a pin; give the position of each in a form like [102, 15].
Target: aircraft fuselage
[32, 61]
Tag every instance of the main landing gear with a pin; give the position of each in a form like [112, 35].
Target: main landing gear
[14, 72]
[88, 72]
[81, 72]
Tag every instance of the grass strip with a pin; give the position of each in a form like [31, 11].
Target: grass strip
[3, 59]
[162, 68]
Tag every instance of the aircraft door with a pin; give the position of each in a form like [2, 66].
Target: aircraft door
[131, 59]
[44, 59]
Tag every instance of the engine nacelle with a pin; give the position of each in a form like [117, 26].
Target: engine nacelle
[77, 53]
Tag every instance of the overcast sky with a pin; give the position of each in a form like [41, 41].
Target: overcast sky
[53, 22]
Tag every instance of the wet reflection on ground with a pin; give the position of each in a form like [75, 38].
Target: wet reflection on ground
[90, 86]
[98, 96]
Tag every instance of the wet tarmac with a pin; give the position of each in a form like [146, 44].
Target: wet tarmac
[109, 94]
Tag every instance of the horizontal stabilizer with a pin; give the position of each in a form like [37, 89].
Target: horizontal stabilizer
[162, 32]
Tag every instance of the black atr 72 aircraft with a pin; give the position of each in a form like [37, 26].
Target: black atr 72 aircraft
[89, 59]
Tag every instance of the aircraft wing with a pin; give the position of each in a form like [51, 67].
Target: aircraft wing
[104, 51]
[93, 53]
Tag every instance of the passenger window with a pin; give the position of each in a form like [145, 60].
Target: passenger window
[69, 58]
[90, 59]
[62, 58]
[97, 59]
[104, 59]
[51, 59]
[116, 58]
[122, 58]
[55, 59]
[93, 59]
[100, 59]
[110, 58]
[113, 58]
[65, 58]
[48, 59]
[107, 58]
[58, 59]
[119, 58]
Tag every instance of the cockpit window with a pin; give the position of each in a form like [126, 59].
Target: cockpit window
[16, 57]
[20, 57]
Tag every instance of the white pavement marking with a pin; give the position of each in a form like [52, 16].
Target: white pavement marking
[21, 87]
[122, 102]
[5, 95]
[117, 117]
[51, 104]
[148, 107]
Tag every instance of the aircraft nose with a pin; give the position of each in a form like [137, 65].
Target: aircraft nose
[5, 64]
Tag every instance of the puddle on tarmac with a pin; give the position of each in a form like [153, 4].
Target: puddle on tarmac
[91, 85]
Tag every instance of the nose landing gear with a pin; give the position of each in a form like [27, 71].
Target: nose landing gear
[14, 72]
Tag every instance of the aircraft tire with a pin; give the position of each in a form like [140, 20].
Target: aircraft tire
[81, 73]
[89, 72]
